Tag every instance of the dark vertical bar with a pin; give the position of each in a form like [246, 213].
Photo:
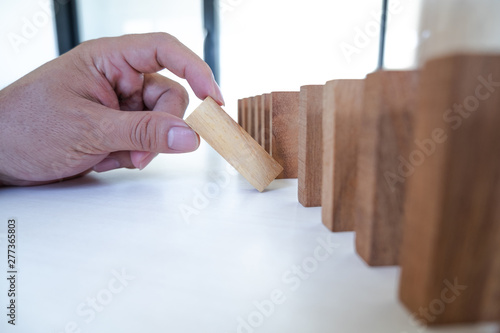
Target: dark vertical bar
[211, 24]
[66, 25]
[383, 29]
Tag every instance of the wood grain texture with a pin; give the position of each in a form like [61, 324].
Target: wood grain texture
[244, 114]
[266, 134]
[240, 112]
[234, 144]
[310, 154]
[452, 223]
[285, 131]
[342, 110]
[250, 116]
[257, 123]
[390, 102]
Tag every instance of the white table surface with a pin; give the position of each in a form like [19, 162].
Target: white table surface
[196, 275]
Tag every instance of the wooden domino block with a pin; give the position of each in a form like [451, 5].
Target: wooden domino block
[257, 123]
[234, 144]
[390, 101]
[244, 114]
[285, 131]
[310, 145]
[452, 223]
[266, 134]
[342, 110]
[240, 112]
[250, 117]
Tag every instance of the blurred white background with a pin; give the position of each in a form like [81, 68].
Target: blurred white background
[28, 38]
[265, 45]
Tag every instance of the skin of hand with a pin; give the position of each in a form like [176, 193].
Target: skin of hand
[100, 106]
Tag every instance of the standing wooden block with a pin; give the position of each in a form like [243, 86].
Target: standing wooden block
[342, 110]
[256, 110]
[266, 134]
[285, 131]
[250, 117]
[244, 114]
[234, 144]
[452, 224]
[390, 102]
[240, 112]
[310, 145]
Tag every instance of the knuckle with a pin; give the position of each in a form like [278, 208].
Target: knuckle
[144, 132]
[207, 70]
[181, 94]
[163, 36]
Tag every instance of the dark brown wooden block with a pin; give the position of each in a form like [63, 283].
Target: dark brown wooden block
[265, 110]
[310, 152]
[451, 250]
[285, 131]
[257, 123]
[240, 112]
[390, 100]
[342, 109]
[246, 115]
[250, 116]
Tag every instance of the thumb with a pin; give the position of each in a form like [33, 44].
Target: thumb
[148, 131]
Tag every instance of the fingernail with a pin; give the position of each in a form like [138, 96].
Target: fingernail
[146, 160]
[106, 165]
[137, 157]
[218, 93]
[182, 139]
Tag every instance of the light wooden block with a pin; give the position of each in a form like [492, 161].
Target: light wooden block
[310, 145]
[257, 123]
[342, 111]
[285, 131]
[452, 224]
[234, 144]
[390, 101]
[266, 134]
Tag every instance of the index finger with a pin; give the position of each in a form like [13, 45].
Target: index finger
[150, 53]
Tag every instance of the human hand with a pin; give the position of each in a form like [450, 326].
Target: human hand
[76, 113]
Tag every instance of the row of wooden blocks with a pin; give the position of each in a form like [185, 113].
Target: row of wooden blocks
[410, 161]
